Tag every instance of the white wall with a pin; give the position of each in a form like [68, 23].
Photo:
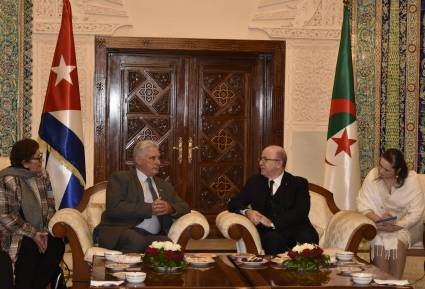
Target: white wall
[310, 27]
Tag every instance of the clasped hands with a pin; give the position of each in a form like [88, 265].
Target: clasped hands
[258, 218]
[161, 207]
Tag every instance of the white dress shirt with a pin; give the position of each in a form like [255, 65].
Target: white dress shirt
[151, 224]
[276, 183]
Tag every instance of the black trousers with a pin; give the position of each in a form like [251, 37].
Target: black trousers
[6, 272]
[275, 242]
[36, 270]
[137, 240]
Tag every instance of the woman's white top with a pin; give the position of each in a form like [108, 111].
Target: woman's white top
[405, 202]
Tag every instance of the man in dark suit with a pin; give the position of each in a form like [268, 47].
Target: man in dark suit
[277, 203]
[140, 208]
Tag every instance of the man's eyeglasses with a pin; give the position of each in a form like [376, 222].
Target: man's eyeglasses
[264, 159]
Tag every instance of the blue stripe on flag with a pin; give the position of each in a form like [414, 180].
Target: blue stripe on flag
[73, 193]
[63, 140]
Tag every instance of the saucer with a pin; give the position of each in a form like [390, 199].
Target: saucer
[117, 266]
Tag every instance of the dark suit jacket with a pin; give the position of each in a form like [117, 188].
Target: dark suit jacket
[291, 202]
[126, 207]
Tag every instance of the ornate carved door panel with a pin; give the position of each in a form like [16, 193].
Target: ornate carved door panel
[145, 97]
[210, 104]
[224, 127]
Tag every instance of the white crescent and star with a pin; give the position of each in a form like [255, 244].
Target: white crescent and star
[63, 71]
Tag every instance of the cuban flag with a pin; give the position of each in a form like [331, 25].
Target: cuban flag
[61, 131]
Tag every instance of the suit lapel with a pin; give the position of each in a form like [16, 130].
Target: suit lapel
[139, 187]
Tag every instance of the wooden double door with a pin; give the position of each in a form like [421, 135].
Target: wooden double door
[211, 113]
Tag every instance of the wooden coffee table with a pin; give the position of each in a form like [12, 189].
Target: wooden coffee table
[271, 275]
[227, 273]
[222, 274]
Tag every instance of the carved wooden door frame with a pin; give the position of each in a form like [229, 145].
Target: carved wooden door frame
[272, 130]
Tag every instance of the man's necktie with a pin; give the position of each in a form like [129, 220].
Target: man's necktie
[152, 189]
[271, 182]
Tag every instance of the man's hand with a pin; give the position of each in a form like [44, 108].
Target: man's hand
[41, 239]
[161, 207]
[388, 227]
[256, 218]
[267, 222]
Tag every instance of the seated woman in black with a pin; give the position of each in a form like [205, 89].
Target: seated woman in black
[26, 206]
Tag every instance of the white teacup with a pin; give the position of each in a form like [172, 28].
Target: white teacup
[362, 278]
[135, 277]
[344, 255]
[112, 255]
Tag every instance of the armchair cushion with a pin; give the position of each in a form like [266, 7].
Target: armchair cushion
[95, 207]
[341, 228]
[319, 214]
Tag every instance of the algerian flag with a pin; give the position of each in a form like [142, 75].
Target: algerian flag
[342, 169]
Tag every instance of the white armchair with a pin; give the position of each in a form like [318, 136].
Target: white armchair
[77, 226]
[337, 229]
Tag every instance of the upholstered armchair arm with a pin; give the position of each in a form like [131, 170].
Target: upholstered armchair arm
[193, 225]
[242, 230]
[70, 224]
[346, 229]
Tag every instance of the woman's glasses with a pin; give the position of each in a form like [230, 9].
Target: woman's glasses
[39, 158]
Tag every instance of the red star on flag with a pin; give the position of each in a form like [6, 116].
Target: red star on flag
[344, 143]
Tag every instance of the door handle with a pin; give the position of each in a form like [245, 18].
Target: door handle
[179, 148]
[191, 148]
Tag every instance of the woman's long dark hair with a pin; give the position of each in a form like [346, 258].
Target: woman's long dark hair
[23, 151]
[396, 159]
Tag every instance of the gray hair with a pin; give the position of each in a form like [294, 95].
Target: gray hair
[140, 147]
